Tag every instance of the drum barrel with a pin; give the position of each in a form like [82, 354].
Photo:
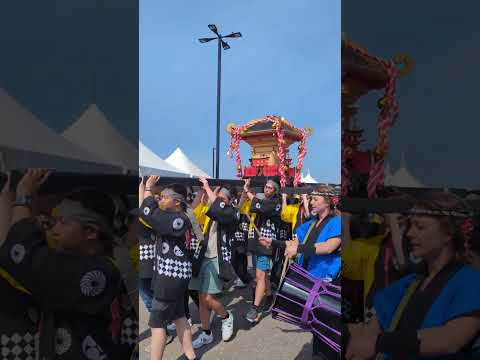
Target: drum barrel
[330, 302]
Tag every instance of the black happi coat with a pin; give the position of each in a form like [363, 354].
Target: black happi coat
[78, 310]
[228, 219]
[241, 235]
[176, 248]
[147, 241]
[267, 221]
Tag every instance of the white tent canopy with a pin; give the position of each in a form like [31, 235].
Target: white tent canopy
[308, 179]
[180, 161]
[94, 132]
[402, 177]
[27, 142]
[151, 164]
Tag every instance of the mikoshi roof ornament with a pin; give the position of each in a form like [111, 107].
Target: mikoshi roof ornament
[270, 138]
[361, 73]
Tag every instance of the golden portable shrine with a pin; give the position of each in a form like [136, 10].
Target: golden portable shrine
[363, 169]
[362, 73]
[270, 138]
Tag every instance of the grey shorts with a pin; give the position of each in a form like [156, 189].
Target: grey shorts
[164, 312]
[207, 281]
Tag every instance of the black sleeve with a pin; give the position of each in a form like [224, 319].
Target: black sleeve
[270, 208]
[279, 244]
[58, 281]
[163, 223]
[224, 214]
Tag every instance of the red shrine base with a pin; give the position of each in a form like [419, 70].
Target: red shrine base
[266, 170]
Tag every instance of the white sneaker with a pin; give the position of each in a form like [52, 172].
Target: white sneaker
[239, 284]
[202, 339]
[227, 327]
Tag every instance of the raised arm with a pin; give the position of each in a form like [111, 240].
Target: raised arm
[305, 205]
[5, 210]
[27, 189]
[211, 195]
[246, 188]
[392, 220]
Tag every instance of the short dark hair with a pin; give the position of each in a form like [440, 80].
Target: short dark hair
[102, 204]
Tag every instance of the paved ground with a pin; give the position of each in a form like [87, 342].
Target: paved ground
[270, 339]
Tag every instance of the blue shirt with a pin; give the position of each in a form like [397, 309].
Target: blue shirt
[322, 266]
[458, 298]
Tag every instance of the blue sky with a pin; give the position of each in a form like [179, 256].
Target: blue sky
[438, 122]
[51, 51]
[287, 63]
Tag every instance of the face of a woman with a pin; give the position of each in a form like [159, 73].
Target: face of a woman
[318, 204]
[426, 236]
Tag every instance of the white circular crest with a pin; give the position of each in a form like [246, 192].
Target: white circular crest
[178, 224]
[165, 248]
[146, 211]
[93, 283]
[222, 205]
[153, 237]
[278, 207]
[17, 253]
[63, 341]
[258, 206]
[177, 251]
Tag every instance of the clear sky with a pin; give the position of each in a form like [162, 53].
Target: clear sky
[437, 128]
[52, 48]
[287, 63]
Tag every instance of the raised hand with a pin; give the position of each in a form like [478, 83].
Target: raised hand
[246, 186]
[291, 249]
[151, 181]
[6, 186]
[31, 181]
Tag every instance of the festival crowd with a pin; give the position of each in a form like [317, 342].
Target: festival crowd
[193, 243]
[72, 266]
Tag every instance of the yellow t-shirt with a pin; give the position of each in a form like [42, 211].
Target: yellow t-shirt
[290, 214]
[358, 259]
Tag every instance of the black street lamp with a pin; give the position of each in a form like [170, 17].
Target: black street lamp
[225, 46]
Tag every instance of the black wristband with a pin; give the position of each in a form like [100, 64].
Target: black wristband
[279, 244]
[307, 251]
[401, 343]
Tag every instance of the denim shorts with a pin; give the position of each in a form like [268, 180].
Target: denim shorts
[262, 262]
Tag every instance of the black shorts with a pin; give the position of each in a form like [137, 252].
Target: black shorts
[164, 312]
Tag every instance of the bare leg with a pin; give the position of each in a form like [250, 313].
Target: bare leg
[159, 339]
[268, 289]
[216, 305]
[204, 312]
[260, 289]
[184, 333]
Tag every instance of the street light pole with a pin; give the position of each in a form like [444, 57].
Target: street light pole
[219, 82]
[225, 46]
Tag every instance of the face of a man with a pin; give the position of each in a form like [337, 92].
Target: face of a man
[268, 190]
[224, 198]
[167, 203]
[70, 235]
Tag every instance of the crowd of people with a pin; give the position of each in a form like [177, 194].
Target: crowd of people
[72, 266]
[191, 245]
[67, 291]
[419, 278]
